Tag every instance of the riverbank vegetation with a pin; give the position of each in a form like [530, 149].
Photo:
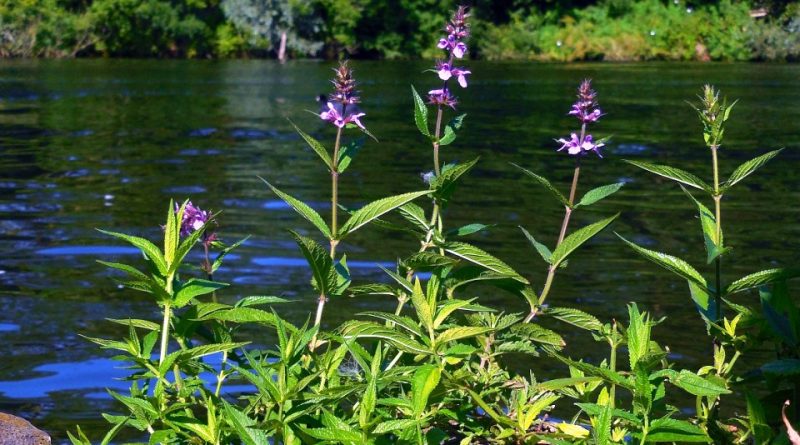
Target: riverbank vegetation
[563, 30]
[443, 367]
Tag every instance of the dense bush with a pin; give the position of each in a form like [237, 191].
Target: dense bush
[556, 30]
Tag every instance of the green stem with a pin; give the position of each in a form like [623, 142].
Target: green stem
[551, 271]
[612, 363]
[718, 213]
[437, 133]
[165, 323]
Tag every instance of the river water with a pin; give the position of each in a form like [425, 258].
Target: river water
[92, 144]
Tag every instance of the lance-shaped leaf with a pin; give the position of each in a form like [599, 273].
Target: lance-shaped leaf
[445, 184]
[172, 231]
[420, 113]
[422, 261]
[708, 222]
[149, 249]
[244, 426]
[575, 239]
[315, 145]
[638, 335]
[423, 383]
[468, 229]
[596, 194]
[325, 277]
[706, 304]
[415, 215]
[423, 308]
[575, 317]
[450, 130]
[673, 173]
[538, 334]
[544, 252]
[671, 263]
[749, 167]
[194, 288]
[366, 329]
[483, 259]
[675, 431]
[761, 278]
[303, 209]
[546, 184]
[460, 333]
[375, 210]
[347, 153]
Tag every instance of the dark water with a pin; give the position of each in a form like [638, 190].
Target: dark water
[106, 144]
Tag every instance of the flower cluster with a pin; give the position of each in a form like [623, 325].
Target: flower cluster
[457, 30]
[194, 219]
[586, 110]
[345, 94]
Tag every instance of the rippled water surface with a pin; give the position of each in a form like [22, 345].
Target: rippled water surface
[106, 144]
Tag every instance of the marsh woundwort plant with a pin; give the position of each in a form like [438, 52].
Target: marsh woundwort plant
[578, 145]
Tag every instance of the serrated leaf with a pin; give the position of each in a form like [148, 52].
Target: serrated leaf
[365, 329]
[415, 215]
[393, 425]
[577, 238]
[244, 426]
[194, 288]
[258, 300]
[576, 317]
[375, 210]
[422, 261]
[468, 229]
[423, 383]
[325, 278]
[673, 173]
[708, 222]
[544, 252]
[460, 333]
[420, 113]
[534, 332]
[481, 258]
[303, 209]
[594, 409]
[673, 430]
[450, 130]
[546, 184]
[747, 168]
[671, 263]
[371, 289]
[242, 315]
[573, 430]
[596, 194]
[761, 278]
[697, 385]
[148, 249]
[444, 185]
[347, 153]
[424, 310]
[315, 145]
[399, 320]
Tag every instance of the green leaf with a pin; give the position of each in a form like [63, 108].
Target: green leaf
[602, 426]
[546, 184]
[420, 113]
[415, 215]
[365, 329]
[244, 426]
[172, 231]
[575, 317]
[242, 315]
[303, 209]
[321, 151]
[575, 239]
[594, 409]
[423, 383]
[671, 263]
[347, 153]
[761, 278]
[459, 333]
[534, 332]
[393, 425]
[673, 430]
[468, 229]
[638, 335]
[749, 167]
[483, 259]
[697, 385]
[399, 320]
[596, 194]
[445, 184]
[325, 278]
[424, 310]
[375, 210]
[422, 261]
[675, 174]
[544, 252]
[708, 222]
[194, 288]
[148, 249]
[450, 130]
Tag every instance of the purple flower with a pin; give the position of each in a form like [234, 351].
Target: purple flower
[442, 96]
[195, 219]
[577, 147]
[585, 109]
[446, 71]
[335, 118]
[451, 44]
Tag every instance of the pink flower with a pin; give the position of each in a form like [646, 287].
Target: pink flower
[577, 147]
[335, 118]
[446, 72]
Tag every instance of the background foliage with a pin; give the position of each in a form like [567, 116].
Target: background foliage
[549, 30]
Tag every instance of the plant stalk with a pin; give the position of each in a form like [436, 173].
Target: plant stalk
[165, 323]
[551, 271]
[718, 213]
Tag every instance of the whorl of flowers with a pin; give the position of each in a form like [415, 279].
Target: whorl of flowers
[194, 219]
[344, 94]
[457, 31]
[585, 110]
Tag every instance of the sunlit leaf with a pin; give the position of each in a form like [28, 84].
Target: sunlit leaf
[375, 210]
[546, 184]
[420, 113]
[577, 238]
[544, 252]
[321, 151]
[747, 168]
[596, 194]
[303, 209]
[671, 263]
[483, 259]
[673, 173]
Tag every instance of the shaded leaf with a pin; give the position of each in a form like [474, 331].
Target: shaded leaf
[544, 252]
[546, 184]
[315, 145]
[303, 209]
[596, 194]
